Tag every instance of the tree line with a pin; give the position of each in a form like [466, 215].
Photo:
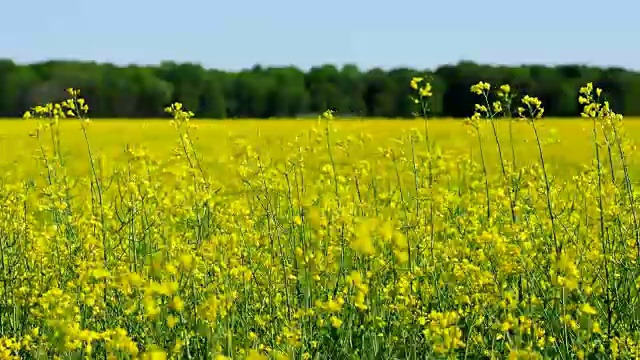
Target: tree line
[136, 91]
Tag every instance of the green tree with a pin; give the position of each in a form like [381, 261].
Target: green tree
[143, 91]
[212, 102]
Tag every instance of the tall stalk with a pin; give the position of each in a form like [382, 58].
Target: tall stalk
[535, 110]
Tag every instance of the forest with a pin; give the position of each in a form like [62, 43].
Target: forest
[135, 91]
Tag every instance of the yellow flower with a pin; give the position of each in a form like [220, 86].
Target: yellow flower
[155, 355]
[177, 304]
[186, 260]
[587, 89]
[480, 88]
[588, 309]
[172, 321]
[532, 101]
[425, 91]
[335, 322]
[497, 107]
[334, 306]
[363, 242]
[415, 81]
[327, 115]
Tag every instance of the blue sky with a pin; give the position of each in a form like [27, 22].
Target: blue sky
[237, 34]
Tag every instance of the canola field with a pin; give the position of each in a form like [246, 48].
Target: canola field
[333, 239]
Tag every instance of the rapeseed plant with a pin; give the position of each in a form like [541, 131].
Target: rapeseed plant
[324, 252]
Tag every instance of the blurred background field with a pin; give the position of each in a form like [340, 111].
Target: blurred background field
[567, 142]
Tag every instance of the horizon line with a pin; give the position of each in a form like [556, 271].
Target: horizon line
[337, 65]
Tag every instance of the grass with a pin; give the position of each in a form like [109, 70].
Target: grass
[319, 240]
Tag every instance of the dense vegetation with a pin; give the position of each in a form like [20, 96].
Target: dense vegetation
[323, 243]
[143, 91]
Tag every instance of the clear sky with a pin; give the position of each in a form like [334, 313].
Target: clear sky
[237, 34]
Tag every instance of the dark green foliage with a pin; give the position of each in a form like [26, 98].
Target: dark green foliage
[263, 92]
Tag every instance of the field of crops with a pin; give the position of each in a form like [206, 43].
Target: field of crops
[568, 141]
[328, 239]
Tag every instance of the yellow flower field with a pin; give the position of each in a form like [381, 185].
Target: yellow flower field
[322, 239]
[569, 141]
